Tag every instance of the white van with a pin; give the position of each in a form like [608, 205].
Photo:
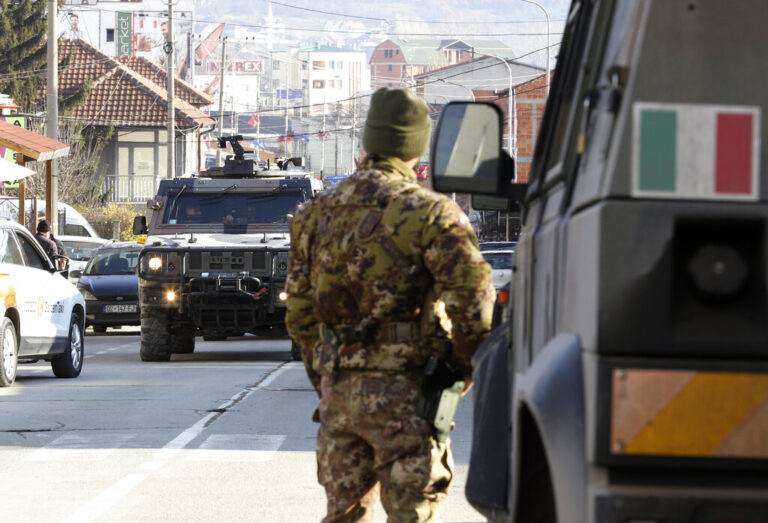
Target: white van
[71, 222]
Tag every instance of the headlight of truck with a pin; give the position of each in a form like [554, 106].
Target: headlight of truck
[280, 264]
[160, 264]
[155, 263]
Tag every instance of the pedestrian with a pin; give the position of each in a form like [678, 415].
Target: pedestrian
[383, 275]
[43, 237]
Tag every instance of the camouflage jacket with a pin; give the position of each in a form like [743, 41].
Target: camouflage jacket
[369, 250]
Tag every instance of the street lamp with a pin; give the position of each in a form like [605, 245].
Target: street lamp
[547, 15]
[510, 117]
[471, 93]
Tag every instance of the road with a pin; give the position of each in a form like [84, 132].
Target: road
[224, 434]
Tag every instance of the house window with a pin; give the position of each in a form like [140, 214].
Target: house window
[110, 35]
[389, 67]
[318, 65]
[318, 84]
[275, 65]
[397, 51]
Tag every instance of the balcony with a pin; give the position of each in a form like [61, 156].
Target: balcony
[131, 188]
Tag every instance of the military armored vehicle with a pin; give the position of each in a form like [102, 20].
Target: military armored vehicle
[216, 256]
[632, 381]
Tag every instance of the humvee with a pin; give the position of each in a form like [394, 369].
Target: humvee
[631, 384]
[215, 259]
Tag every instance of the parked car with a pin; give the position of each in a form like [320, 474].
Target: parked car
[79, 250]
[501, 265]
[110, 286]
[497, 246]
[41, 314]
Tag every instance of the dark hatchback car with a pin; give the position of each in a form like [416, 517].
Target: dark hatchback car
[110, 286]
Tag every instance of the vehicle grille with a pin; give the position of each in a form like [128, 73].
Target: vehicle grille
[252, 262]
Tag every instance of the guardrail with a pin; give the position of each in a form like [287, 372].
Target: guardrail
[131, 188]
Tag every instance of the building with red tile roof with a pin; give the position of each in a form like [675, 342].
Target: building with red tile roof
[129, 95]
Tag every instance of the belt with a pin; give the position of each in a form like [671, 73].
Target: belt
[370, 332]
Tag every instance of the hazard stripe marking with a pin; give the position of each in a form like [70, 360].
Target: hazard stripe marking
[715, 414]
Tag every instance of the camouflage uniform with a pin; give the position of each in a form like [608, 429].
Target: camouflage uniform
[364, 256]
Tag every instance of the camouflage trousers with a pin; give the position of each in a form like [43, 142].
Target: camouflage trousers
[372, 441]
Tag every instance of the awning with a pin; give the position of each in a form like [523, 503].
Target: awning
[10, 171]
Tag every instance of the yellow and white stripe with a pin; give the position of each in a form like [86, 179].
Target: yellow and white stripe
[689, 413]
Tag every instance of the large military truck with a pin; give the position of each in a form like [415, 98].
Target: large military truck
[632, 382]
[215, 259]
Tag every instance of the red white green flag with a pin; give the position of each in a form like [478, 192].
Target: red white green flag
[696, 151]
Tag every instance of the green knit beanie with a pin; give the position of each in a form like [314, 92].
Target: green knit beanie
[398, 124]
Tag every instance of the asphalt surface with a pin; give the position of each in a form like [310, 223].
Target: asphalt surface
[223, 434]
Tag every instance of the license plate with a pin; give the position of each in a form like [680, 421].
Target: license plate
[120, 308]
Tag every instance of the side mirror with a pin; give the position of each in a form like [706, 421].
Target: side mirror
[467, 155]
[139, 225]
[76, 274]
[61, 264]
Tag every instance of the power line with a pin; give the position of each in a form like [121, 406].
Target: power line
[388, 20]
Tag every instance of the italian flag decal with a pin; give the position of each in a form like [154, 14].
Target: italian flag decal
[696, 151]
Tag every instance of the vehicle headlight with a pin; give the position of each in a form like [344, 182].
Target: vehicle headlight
[87, 294]
[155, 263]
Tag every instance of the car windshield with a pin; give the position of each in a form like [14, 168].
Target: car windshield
[77, 250]
[499, 260]
[113, 261]
[229, 208]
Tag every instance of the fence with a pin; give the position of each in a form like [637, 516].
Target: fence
[131, 189]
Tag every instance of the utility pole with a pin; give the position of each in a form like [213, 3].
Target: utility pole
[338, 127]
[52, 130]
[322, 143]
[221, 96]
[171, 73]
[354, 129]
[285, 142]
[258, 117]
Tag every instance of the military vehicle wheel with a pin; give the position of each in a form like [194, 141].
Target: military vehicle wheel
[155, 336]
[183, 342]
[9, 353]
[69, 363]
[295, 351]
[99, 328]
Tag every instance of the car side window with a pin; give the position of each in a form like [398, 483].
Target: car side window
[31, 256]
[9, 249]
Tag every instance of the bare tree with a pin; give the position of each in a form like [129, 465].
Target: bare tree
[80, 183]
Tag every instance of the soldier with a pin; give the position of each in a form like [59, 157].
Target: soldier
[383, 274]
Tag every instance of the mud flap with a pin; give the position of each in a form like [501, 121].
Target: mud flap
[487, 481]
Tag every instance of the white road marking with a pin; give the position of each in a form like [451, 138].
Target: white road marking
[76, 447]
[238, 448]
[151, 465]
[101, 503]
[174, 446]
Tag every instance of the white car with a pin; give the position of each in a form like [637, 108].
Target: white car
[42, 315]
[501, 265]
[79, 251]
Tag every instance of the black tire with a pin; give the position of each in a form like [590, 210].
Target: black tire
[295, 351]
[183, 341]
[155, 336]
[9, 353]
[99, 328]
[69, 363]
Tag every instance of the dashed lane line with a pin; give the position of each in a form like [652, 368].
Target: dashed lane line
[97, 506]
